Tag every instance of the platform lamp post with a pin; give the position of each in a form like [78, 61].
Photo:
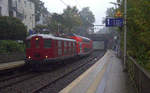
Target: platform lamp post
[125, 32]
[59, 28]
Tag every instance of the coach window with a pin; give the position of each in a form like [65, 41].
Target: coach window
[74, 47]
[65, 47]
[70, 47]
[65, 44]
[69, 44]
[47, 43]
[59, 44]
[59, 48]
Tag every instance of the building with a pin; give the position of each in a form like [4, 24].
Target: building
[4, 8]
[44, 19]
[22, 9]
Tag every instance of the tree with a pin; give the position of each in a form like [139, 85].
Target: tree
[39, 9]
[87, 16]
[41, 29]
[87, 19]
[138, 34]
[71, 19]
[12, 28]
[56, 22]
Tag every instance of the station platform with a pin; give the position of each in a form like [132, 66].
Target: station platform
[105, 76]
[10, 65]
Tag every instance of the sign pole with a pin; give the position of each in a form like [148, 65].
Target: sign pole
[125, 33]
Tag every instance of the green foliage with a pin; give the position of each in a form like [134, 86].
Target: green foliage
[56, 22]
[71, 18]
[9, 46]
[138, 30]
[72, 21]
[12, 28]
[87, 19]
[87, 16]
[138, 33]
[110, 12]
[42, 29]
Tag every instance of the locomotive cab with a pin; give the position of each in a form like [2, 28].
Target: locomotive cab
[41, 49]
[38, 48]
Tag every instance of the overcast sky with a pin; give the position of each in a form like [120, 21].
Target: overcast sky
[98, 7]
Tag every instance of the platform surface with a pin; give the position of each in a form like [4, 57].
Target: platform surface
[105, 76]
[10, 65]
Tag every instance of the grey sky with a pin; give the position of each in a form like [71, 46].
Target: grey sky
[98, 7]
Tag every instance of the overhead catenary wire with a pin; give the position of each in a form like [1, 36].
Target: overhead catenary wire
[78, 4]
[64, 3]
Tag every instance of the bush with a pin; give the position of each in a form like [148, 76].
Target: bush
[12, 29]
[138, 34]
[9, 46]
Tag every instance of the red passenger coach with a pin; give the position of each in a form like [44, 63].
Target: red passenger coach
[48, 48]
[84, 45]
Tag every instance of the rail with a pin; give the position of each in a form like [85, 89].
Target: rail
[139, 77]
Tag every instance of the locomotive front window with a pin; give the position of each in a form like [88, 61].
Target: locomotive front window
[47, 43]
[37, 45]
[28, 44]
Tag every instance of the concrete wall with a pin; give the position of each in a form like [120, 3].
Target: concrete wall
[43, 19]
[27, 8]
[98, 45]
[22, 9]
[4, 7]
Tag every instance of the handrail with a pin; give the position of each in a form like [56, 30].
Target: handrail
[140, 67]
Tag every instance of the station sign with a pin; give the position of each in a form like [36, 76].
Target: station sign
[114, 22]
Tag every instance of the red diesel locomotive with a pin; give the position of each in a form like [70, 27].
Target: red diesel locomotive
[41, 48]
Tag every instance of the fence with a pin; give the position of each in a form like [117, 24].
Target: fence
[11, 57]
[138, 75]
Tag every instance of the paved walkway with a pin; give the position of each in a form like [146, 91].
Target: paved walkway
[116, 81]
[10, 65]
[105, 76]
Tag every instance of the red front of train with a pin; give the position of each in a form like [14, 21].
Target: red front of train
[42, 48]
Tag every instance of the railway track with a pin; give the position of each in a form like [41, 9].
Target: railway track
[12, 76]
[17, 78]
[41, 88]
[42, 81]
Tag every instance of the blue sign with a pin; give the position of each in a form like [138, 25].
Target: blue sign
[114, 22]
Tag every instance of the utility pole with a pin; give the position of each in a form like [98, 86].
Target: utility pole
[125, 33]
[59, 28]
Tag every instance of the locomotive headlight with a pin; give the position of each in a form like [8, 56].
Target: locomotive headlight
[36, 38]
[46, 56]
[29, 57]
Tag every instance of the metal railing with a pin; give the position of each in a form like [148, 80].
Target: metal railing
[139, 77]
[4, 58]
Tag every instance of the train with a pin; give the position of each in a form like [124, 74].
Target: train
[47, 48]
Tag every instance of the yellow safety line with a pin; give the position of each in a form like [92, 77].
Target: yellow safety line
[5, 66]
[77, 81]
[93, 87]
